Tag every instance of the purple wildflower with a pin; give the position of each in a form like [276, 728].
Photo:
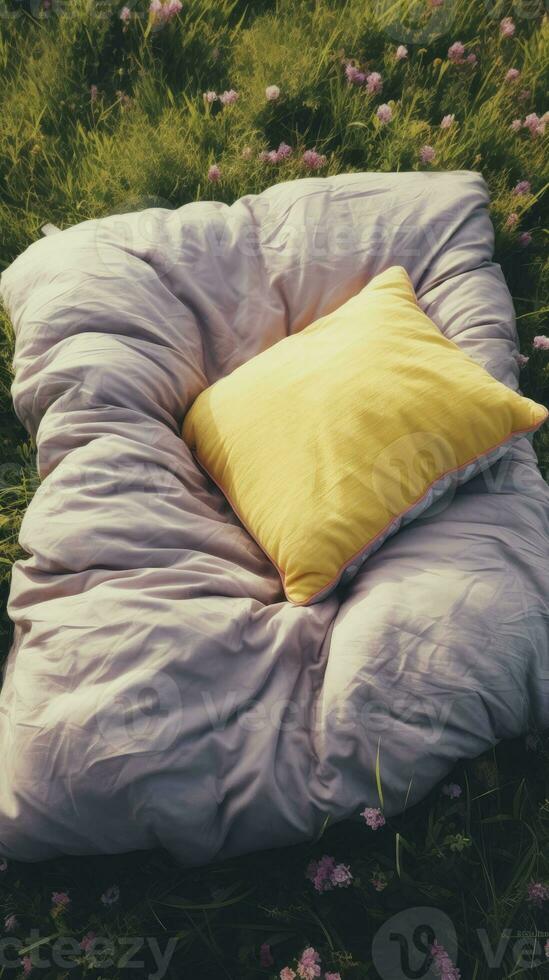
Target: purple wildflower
[507, 27]
[447, 121]
[60, 900]
[537, 893]
[354, 75]
[228, 98]
[443, 964]
[374, 83]
[313, 160]
[427, 154]
[456, 52]
[373, 817]
[384, 113]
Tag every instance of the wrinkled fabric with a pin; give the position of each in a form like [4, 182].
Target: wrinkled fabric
[159, 690]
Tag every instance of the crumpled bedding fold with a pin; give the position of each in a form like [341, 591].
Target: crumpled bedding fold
[159, 690]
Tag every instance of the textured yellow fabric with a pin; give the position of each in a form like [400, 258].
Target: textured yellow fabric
[323, 442]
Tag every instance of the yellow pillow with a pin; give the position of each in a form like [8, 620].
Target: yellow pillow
[327, 442]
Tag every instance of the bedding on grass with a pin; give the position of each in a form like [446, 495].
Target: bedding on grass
[104, 113]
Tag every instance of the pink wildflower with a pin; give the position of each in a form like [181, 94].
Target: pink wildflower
[447, 121]
[507, 27]
[525, 239]
[521, 360]
[384, 113]
[516, 125]
[287, 974]
[155, 9]
[173, 8]
[354, 75]
[374, 83]
[111, 895]
[523, 187]
[272, 93]
[60, 900]
[87, 941]
[214, 173]
[373, 817]
[443, 964]
[325, 874]
[427, 154]
[453, 790]
[284, 151]
[512, 75]
[228, 98]
[535, 124]
[541, 342]
[265, 957]
[401, 52]
[309, 964]
[456, 52]
[210, 96]
[512, 220]
[320, 873]
[125, 15]
[537, 893]
[471, 59]
[10, 923]
[26, 963]
[313, 160]
[341, 876]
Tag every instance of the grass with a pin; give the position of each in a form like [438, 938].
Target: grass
[148, 137]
